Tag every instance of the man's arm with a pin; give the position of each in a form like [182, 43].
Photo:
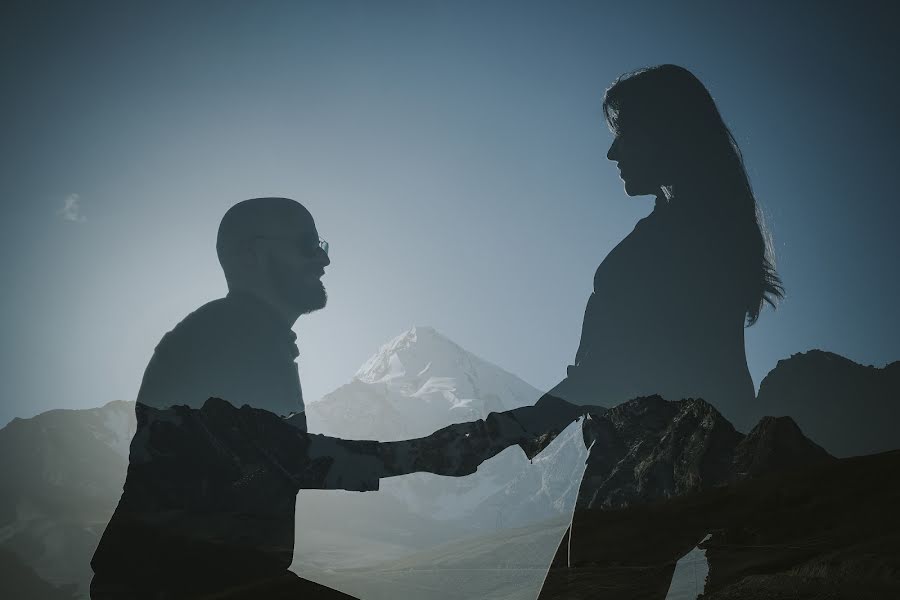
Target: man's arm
[455, 451]
[458, 450]
[236, 439]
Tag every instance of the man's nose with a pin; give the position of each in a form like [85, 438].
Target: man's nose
[323, 257]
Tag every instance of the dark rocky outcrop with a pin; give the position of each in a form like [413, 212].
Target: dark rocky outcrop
[775, 444]
[650, 449]
[648, 456]
[848, 408]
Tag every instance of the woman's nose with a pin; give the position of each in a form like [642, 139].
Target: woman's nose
[613, 152]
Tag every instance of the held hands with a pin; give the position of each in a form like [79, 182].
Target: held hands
[533, 428]
[456, 450]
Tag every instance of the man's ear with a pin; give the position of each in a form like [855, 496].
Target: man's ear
[244, 258]
[256, 254]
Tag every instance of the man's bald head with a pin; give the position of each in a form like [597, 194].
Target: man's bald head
[270, 246]
[259, 218]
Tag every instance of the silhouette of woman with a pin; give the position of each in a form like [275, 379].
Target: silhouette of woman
[671, 300]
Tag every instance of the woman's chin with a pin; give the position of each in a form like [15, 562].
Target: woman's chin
[633, 189]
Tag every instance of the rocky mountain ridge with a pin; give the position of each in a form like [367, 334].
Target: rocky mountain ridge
[650, 449]
[848, 408]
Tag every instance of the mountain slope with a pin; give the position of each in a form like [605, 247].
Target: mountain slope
[650, 449]
[825, 531]
[61, 474]
[419, 382]
[848, 408]
[413, 385]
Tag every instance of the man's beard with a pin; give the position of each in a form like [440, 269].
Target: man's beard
[305, 295]
[317, 297]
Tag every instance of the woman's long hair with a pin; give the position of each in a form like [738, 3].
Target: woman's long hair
[677, 108]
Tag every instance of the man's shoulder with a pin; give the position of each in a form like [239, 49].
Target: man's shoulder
[228, 327]
[205, 326]
[196, 359]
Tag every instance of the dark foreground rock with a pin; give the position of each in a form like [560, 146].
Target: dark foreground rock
[648, 449]
[830, 530]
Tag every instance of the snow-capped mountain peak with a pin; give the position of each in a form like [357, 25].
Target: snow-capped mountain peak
[410, 354]
[419, 382]
[416, 383]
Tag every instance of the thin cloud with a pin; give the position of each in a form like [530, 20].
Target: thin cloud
[71, 210]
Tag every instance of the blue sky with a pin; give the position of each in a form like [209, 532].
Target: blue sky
[453, 153]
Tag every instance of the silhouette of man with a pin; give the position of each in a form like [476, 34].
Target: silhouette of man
[241, 347]
[208, 503]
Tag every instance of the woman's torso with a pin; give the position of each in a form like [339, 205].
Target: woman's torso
[667, 316]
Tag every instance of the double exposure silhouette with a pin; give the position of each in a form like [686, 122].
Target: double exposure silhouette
[671, 300]
[207, 508]
[208, 504]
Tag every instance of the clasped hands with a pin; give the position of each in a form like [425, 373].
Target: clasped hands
[456, 450]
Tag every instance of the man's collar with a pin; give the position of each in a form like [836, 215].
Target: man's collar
[260, 309]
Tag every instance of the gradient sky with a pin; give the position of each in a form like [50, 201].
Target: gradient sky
[453, 153]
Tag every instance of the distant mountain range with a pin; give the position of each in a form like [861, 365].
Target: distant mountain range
[61, 472]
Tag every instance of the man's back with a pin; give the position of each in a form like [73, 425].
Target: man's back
[210, 505]
[232, 348]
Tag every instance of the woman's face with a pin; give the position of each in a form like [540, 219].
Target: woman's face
[641, 158]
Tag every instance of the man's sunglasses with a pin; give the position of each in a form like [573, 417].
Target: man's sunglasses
[306, 249]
